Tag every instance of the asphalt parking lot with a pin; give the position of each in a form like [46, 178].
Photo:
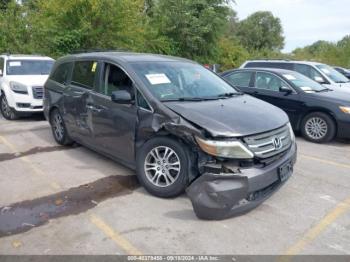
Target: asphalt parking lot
[59, 200]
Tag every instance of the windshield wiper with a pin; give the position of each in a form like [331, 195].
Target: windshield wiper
[231, 94]
[323, 90]
[187, 99]
[342, 82]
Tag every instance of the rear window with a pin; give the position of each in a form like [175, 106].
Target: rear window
[29, 67]
[84, 74]
[240, 79]
[288, 66]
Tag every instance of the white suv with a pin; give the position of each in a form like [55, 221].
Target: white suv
[22, 78]
[321, 73]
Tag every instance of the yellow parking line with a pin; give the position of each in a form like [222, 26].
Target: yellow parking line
[326, 161]
[29, 163]
[121, 242]
[315, 231]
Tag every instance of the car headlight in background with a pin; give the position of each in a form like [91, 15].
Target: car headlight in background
[345, 109]
[18, 88]
[226, 149]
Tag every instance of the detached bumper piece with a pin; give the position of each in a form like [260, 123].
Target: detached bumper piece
[220, 196]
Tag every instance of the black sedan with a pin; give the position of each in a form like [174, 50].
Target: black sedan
[319, 113]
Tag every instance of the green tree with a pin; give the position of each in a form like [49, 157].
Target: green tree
[192, 27]
[14, 36]
[59, 27]
[261, 31]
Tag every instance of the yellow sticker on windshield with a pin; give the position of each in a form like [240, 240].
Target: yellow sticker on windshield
[94, 65]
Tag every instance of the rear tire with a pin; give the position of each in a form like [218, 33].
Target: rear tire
[318, 127]
[59, 129]
[6, 111]
[162, 166]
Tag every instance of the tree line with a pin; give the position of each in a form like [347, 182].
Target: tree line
[207, 31]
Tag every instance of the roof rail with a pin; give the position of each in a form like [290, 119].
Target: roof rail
[276, 59]
[79, 51]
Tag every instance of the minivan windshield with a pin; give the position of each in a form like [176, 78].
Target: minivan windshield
[29, 67]
[304, 83]
[173, 81]
[332, 73]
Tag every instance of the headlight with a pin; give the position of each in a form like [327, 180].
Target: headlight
[345, 109]
[292, 135]
[18, 88]
[227, 149]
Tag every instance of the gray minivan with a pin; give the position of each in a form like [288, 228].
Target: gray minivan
[180, 126]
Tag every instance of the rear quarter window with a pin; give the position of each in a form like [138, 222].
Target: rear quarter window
[61, 73]
[84, 73]
[239, 79]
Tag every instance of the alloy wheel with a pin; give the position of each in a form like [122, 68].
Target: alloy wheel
[58, 127]
[162, 166]
[316, 128]
[5, 108]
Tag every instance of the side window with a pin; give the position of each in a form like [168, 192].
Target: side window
[1, 66]
[268, 81]
[240, 79]
[84, 74]
[61, 73]
[308, 71]
[115, 79]
[141, 101]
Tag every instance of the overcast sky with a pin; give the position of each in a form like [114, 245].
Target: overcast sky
[304, 21]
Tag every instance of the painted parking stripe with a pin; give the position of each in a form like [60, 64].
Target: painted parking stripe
[324, 161]
[121, 242]
[54, 185]
[321, 226]
[115, 236]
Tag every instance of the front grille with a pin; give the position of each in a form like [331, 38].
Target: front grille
[270, 143]
[38, 92]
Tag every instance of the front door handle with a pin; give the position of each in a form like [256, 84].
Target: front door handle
[94, 109]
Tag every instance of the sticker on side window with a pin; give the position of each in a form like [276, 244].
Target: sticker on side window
[15, 63]
[289, 77]
[93, 69]
[157, 79]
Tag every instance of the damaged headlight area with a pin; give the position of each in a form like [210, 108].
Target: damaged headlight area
[226, 149]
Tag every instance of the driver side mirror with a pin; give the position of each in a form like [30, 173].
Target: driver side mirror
[121, 97]
[286, 89]
[319, 79]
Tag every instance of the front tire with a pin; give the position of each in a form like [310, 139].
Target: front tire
[318, 127]
[162, 167]
[6, 111]
[59, 129]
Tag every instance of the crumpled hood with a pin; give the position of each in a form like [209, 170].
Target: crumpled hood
[237, 116]
[28, 80]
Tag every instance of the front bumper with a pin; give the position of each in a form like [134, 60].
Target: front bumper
[343, 129]
[220, 196]
[24, 103]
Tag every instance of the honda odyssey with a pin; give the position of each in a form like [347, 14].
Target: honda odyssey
[179, 125]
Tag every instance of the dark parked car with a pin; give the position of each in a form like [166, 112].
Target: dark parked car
[178, 124]
[344, 71]
[318, 112]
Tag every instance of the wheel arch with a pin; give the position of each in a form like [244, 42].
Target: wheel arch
[320, 110]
